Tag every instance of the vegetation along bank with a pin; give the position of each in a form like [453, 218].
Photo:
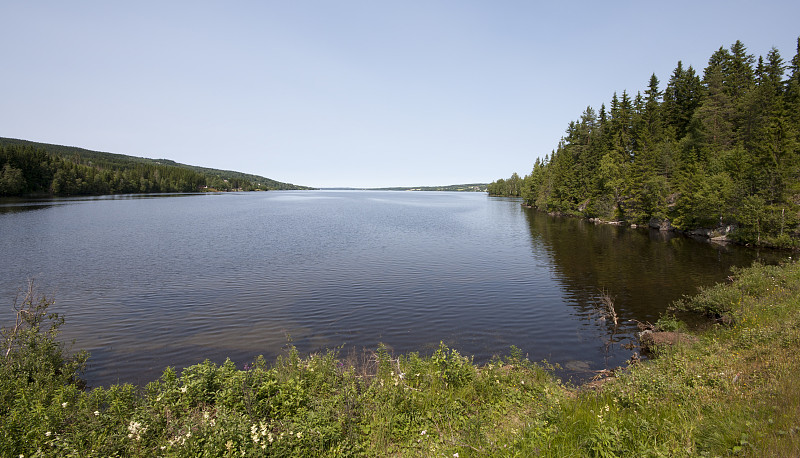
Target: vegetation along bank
[717, 153]
[729, 390]
[30, 168]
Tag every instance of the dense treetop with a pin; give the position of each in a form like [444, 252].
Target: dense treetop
[39, 168]
[711, 150]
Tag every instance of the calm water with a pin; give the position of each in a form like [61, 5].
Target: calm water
[146, 282]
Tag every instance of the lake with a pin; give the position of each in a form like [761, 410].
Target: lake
[146, 282]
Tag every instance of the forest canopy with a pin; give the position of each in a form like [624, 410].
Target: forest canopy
[28, 168]
[714, 150]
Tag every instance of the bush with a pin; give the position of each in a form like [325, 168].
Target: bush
[39, 381]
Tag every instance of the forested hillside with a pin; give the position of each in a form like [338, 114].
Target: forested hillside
[470, 187]
[717, 150]
[39, 168]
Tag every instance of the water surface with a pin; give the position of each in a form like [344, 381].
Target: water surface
[150, 281]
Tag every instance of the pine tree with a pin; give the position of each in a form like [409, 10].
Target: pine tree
[681, 99]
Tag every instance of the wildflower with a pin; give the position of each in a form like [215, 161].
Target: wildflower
[455, 455]
[135, 430]
[424, 432]
[183, 389]
[96, 413]
[48, 433]
[64, 404]
[299, 434]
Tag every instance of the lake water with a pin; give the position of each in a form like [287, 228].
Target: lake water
[150, 281]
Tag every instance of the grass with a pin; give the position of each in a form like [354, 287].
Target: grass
[732, 392]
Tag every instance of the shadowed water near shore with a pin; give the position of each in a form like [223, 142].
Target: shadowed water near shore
[146, 283]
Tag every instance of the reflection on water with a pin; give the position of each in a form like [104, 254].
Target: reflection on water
[643, 270]
[20, 204]
[19, 208]
[150, 281]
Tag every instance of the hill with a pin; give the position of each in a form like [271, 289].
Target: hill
[471, 187]
[28, 167]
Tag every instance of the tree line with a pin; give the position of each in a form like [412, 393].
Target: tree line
[717, 150]
[28, 168]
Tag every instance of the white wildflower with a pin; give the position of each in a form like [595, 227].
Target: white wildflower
[135, 430]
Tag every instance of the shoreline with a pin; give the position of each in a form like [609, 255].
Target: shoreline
[727, 389]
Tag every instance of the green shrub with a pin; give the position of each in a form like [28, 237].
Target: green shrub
[669, 323]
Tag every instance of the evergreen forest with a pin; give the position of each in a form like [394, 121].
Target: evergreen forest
[30, 168]
[716, 153]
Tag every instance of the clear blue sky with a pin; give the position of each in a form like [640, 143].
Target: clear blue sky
[350, 93]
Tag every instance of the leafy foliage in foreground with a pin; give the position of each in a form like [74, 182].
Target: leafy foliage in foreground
[718, 150]
[733, 392]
